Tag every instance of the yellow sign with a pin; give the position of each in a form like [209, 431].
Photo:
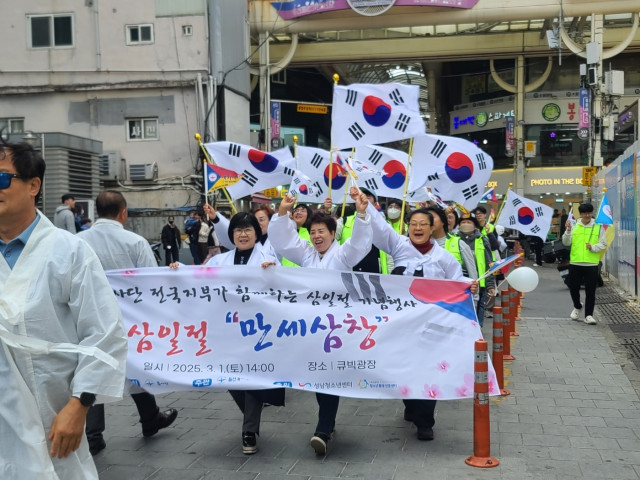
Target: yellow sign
[283, 193]
[539, 182]
[587, 174]
[271, 192]
[304, 108]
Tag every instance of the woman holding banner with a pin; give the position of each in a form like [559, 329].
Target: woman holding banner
[418, 255]
[325, 253]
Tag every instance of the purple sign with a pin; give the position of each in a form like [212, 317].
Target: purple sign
[509, 136]
[299, 8]
[584, 120]
[275, 124]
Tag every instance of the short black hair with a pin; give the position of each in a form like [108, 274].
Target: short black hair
[455, 214]
[585, 208]
[26, 160]
[328, 220]
[67, 196]
[481, 209]
[244, 220]
[110, 203]
[468, 216]
[423, 211]
[441, 214]
[309, 213]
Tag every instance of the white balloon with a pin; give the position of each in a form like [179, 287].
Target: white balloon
[523, 279]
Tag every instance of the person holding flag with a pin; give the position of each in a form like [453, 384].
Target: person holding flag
[586, 239]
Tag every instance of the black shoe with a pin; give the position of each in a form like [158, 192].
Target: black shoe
[407, 416]
[160, 421]
[249, 444]
[425, 433]
[96, 445]
[319, 443]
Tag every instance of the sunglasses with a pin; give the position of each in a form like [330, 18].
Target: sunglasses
[5, 179]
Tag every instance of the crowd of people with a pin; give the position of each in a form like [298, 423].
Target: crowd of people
[53, 291]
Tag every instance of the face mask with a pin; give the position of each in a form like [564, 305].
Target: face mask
[171, 222]
[393, 213]
[467, 228]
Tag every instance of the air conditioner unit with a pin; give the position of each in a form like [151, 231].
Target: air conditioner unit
[143, 171]
[109, 165]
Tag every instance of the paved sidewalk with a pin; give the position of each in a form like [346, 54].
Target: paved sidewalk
[573, 412]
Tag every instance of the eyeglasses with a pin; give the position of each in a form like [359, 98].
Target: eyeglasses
[243, 231]
[5, 179]
[421, 225]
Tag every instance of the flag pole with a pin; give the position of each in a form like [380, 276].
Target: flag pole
[504, 200]
[208, 159]
[346, 187]
[406, 185]
[205, 159]
[295, 149]
[336, 79]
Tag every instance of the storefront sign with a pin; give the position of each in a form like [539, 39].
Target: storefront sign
[551, 112]
[304, 108]
[628, 118]
[271, 192]
[481, 119]
[539, 182]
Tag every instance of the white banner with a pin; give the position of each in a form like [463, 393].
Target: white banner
[350, 334]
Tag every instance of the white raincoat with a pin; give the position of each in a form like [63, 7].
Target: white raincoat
[286, 242]
[58, 314]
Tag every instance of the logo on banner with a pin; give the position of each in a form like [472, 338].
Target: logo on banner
[458, 167]
[395, 174]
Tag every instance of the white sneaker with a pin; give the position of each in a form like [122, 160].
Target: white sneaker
[537, 265]
[575, 314]
[589, 320]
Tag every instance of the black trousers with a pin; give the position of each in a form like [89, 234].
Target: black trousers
[250, 404]
[328, 409]
[421, 412]
[589, 275]
[172, 255]
[145, 403]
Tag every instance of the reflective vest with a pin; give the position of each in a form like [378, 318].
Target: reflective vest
[481, 263]
[452, 245]
[304, 234]
[384, 265]
[579, 239]
[486, 230]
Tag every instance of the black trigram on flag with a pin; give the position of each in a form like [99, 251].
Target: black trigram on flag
[538, 211]
[512, 220]
[433, 177]
[515, 202]
[318, 189]
[395, 97]
[402, 122]
[357, 131]
[438, 148]
[249, 177]
[375, 157]
[482, 163]
[316, 160]
[470, 192]
[289, 171]
[371, 184]
[234, 150]
[535, 229]
[352, 97]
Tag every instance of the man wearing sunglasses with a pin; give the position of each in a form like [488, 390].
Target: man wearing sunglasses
[62, 340]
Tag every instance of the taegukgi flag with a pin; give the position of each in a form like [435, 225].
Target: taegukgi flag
[604, 216]
[455, 169]
[315, 164]
[526, 216]
[366, 114]
[303, 189]
[258, 170]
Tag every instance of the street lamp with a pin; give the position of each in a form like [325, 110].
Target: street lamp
[31, 138]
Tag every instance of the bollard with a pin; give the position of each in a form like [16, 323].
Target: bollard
[498, 361]
[506, 326]
[481, 426]
[518, 298]
[513, 312]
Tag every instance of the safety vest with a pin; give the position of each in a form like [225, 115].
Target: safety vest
[384, 266]
[481, 263]
[304, 234]
[486, 230]
[452, 245]
[579, 239]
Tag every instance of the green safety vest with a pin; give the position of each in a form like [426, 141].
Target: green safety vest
[452, 245]
[384, 267]
[579, 239]
[304, 234]
[478, 250]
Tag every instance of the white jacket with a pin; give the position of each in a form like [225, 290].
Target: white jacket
[287, 243]
[58, 293]
[258, 256]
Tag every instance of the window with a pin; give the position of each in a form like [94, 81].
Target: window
[139, 34]
[50, 31]
[12, 125]
[142, 129]
[187, 30]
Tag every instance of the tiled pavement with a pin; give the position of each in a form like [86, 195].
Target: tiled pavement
[573, 412]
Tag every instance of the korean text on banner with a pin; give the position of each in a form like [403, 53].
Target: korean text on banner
[349, 334]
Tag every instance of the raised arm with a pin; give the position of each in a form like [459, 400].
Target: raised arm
[284, 237]
[221, 224]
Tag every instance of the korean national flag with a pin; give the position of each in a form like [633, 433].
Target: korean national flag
[314, 163]
[258, 170]
[455, 169]
[392, 165]
[526, 216]
[367, 114]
